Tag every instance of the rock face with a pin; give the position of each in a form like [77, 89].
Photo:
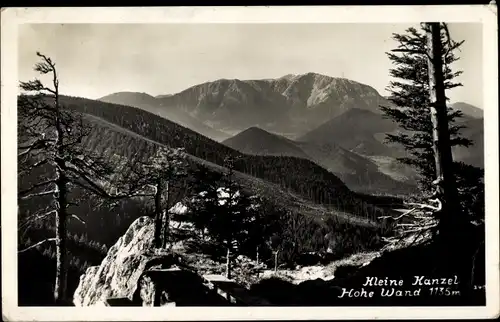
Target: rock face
[121, 270]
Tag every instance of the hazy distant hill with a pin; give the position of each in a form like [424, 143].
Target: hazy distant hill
[468, 109]
[474, 130]
[151, 104]
[260, 142]
[359, 173]
[363, 132]
[133, 98]
[356, 130]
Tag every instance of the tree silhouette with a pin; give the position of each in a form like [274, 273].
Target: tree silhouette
[411, 99]
[49, 137]
[159, 172]
[49, 148]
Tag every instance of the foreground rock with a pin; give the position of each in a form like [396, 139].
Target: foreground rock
[119, 274]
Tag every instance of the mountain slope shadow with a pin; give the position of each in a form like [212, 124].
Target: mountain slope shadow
[423, 263]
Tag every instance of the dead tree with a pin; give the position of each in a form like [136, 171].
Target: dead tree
[50, 138]
[229, 163]
[274, 243]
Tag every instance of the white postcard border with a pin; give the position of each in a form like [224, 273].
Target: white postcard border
[12, 17]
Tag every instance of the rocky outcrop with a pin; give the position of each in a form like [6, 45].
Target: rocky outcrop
[122, 269]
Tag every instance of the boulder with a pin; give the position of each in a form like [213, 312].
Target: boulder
[119, 274]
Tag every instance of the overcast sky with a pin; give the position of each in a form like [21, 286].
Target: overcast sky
[99, 59]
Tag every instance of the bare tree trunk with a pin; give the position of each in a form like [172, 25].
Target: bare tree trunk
[228, 263]
[276, 261]
[61, 200]
[166, 227]
[158, 214]
[452, 238]
[440, 132]
[257, 255]
[61, 262]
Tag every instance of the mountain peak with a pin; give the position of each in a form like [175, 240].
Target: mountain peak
[255, 129]
[255, 140]
[288, 76]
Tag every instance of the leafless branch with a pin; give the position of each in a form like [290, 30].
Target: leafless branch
[78, 218]
[38, 185]
[425, 206]
[38, 217]
[37, 244]
[99, 191]
[399, 217]
[38, 144]
[33, 166]
[40, 194]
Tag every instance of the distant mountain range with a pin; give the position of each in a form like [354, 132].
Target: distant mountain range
[292, 104]
[151, 104]
[335, 122]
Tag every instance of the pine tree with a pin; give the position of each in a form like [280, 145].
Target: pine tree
[161, 171]
[49, 148]
[409, 95]
[230, 225]
[220, 207]
[202, 204]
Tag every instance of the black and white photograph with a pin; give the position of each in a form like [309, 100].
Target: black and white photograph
[237, 164]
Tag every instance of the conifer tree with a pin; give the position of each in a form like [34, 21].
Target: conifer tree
[161, 171]
[203, 202]
[51, 162]
[410, 100]
[409, 95]
[223, 210]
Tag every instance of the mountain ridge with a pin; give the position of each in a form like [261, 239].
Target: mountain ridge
[150, 104]
[307, 107]
[468, 109]
[292, 104]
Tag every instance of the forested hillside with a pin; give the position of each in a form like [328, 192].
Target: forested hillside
[300, 176]
[303, 195]
[152, 105]
[358, 172]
